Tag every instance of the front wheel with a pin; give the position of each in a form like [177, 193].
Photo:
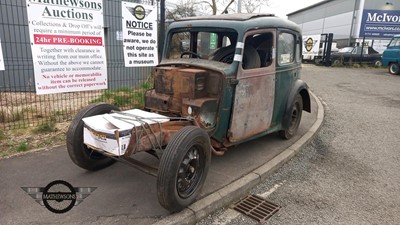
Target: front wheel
[79, 153]
[394, 68]
[183, 168]
[295, 118]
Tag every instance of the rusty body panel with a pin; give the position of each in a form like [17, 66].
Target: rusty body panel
[173, 84]
[180, 91]
[254, 96]
[253, 107]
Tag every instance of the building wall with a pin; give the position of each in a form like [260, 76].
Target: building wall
[340, 17]
[329, 17]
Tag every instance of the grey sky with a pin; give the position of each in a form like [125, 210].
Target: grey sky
[283, 7]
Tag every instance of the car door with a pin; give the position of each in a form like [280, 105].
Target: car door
[254, 93]
[288, 65]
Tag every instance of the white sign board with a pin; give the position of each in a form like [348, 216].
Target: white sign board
[1, 58]
[139, 28]
[67, 40]
[311, 45]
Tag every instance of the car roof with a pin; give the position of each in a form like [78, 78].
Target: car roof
[240, 21]
[235, 16]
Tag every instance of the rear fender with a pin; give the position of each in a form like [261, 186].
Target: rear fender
[300, 87]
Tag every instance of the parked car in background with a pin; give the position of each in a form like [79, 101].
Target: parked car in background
[391, 56]
[350, 55]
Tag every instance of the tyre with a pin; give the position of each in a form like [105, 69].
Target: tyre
[337, 62]
[394, 68]
[377, 63]
[183, 168]
[79, 153]
[295, 118]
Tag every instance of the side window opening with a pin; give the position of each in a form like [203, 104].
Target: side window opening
[258, 50]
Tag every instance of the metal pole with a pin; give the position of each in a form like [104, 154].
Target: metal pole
[239, 6]
[162, 29]
[362, 49]
[352, 22]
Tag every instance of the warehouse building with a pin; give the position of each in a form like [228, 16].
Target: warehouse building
[352, 21]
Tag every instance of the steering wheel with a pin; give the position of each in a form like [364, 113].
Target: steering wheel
[190, 53]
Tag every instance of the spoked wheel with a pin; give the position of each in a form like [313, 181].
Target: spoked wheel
[190, 172]
[183, 168]
[295, 118]
[79, 153]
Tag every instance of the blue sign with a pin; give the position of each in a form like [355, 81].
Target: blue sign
[380, 23]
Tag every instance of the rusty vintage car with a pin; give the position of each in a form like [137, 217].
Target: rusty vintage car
[237, 79]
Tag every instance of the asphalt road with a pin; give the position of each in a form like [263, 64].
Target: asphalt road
[349, 174]
[124, 195]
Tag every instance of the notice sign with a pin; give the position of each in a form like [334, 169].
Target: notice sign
[139, 28]
[67, 42]
[1, 58]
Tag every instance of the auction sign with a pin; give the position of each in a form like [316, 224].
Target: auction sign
[139, 28]
[380, 23]
[67, 42]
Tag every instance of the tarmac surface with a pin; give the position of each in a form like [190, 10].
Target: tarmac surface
[349, 172]
[126, 195]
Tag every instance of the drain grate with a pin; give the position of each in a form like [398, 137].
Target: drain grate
[256, 208]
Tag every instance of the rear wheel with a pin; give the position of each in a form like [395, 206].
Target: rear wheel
[295, 118]
[394, 68]
[183, 168]
[79, 153]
